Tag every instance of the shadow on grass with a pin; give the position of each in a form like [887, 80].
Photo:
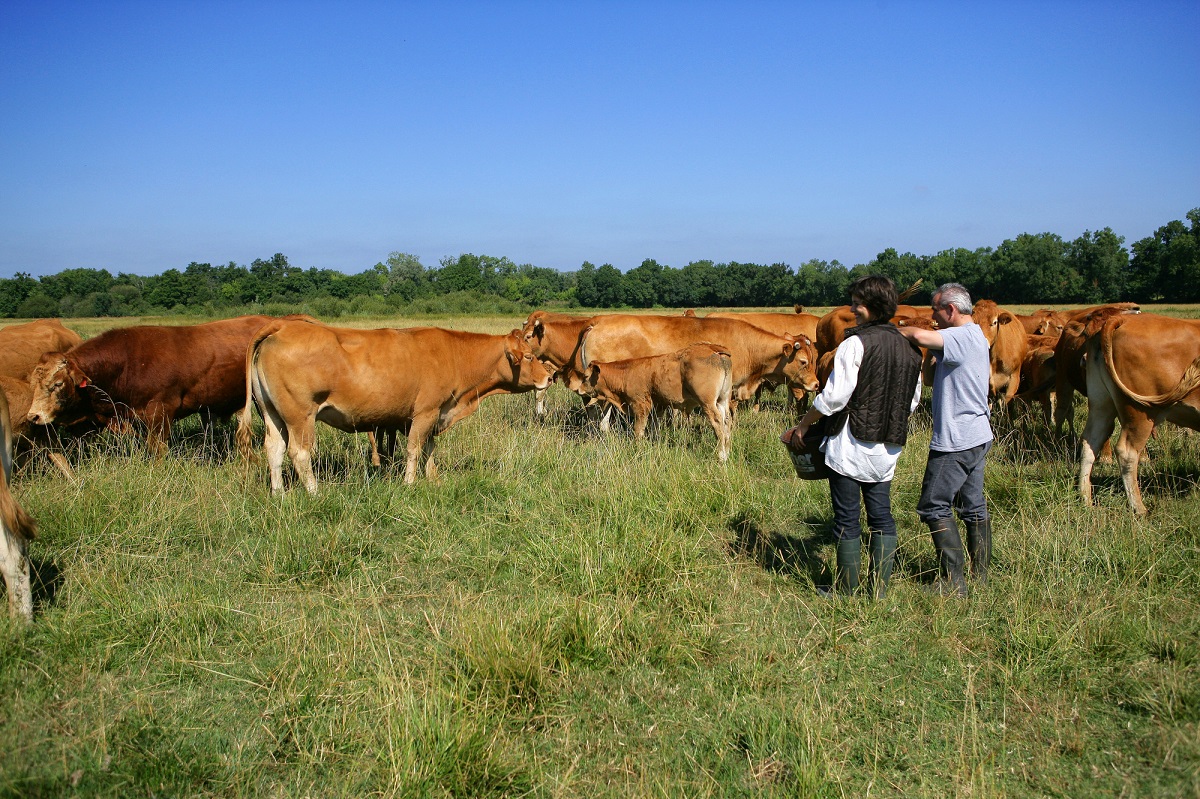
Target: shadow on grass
[45, 580]
[781, 553]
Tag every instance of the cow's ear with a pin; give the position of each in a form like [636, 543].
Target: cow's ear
[591, 373]
[539, 329]
[1005, 318]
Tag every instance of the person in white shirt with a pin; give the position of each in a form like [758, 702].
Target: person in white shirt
[874, 386]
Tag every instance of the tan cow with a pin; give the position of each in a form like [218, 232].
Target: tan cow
[757, 354]
[554, 338]
[1069, 373]
[418, 380]
[1142, 369]
[1008, 346]
[22, 346]
[18, 530]
[698, 376]
[781, 324]
[1038, 375]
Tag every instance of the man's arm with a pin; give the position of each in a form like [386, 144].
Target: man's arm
[929, 339]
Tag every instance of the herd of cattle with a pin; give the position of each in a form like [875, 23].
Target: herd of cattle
[1138, 368]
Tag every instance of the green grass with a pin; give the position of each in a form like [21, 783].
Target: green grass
[572, 615]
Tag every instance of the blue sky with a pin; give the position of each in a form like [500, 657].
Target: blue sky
[137, 137]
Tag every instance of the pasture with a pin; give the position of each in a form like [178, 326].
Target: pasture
[568, 614]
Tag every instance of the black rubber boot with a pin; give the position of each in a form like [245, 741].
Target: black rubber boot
[849, 563]
[883, 555]
[979, 547]
[948, 545]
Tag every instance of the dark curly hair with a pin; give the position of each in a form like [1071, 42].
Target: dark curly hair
[878, 294]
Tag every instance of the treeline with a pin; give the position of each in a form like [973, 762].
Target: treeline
[1096, 267]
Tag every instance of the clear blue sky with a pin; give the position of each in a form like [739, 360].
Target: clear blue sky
[137, 137]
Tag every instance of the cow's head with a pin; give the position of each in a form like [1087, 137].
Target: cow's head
[592, 387]
[987, 315]
[58, 388]
[800, 362]
[528, 371]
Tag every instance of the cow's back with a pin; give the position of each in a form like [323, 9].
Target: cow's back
[198, 366]
[781, 324]
[22, 346]
[1150, 353]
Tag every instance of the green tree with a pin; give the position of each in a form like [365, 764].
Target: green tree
[1031, 268]
[1101, 262]
[405, 276]
[14, 291]
[1166, 266]
[464, 273]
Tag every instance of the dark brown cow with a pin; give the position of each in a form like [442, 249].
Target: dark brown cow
[152, 374]
[1142, 369]
[699, 376]
[17, 529]
[22, 346]
[418, 380]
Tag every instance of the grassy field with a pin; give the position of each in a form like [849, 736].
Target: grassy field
[567, 614]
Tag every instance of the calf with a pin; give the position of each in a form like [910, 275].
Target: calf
[698, 376]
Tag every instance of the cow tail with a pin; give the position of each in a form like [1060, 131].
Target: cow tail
[1186, 385]
[244, 440]
[17, 522]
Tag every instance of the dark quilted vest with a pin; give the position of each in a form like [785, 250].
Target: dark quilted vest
[887, 378]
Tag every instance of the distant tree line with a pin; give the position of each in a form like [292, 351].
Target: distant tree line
[1032, 268]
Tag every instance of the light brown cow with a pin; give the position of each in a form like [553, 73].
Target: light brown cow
[554, 338]
[1069, 373]
[1038, 375]
[1142, 369]
[22, 346]
[781, 324]
[418, 380]
[757, 354]
[1008, 346]
[17, 529]
[699, 376]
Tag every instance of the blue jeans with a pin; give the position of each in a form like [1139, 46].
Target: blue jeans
[954, 482]
[844, 493]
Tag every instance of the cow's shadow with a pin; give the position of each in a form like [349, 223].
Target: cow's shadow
[45, 580]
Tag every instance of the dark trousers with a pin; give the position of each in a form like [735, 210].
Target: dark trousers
[844, 493]
[954, 482]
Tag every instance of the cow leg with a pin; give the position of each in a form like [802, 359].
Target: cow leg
[606, 415]
[14, 564]
[299, 447]
[1101, 420]
[420, 434]
[373, 442]
[275, 443]
[539, 402]
[716, 418]
[1136, 427]
[641, 415]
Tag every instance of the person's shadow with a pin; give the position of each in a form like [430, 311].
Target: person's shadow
[785, 554]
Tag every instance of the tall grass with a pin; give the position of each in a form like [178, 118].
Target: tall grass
[572, 614]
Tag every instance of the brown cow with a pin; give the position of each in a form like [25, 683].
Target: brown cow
[22, 346]
[1038, 375]
[418, 380]
[1142, 369]
[1069, 373]
[757, 354]
[152, 374]
[781, 324]
[1008, 345]
[554, 338]
[17, 528]
[698, 376]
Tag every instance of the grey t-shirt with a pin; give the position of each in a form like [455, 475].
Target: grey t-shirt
[961, 411]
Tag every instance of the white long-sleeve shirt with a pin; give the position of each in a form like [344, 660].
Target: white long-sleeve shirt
[865, 461]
